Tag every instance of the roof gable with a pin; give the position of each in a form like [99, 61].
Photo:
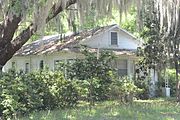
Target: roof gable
[54, 43]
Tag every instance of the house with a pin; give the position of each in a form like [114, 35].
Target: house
[49, 50]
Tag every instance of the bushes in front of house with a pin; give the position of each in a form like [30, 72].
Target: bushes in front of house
[124, 90]
[91, 79]
[95, 70]
[21, 93]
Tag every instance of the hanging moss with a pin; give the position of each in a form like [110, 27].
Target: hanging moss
[167, 10]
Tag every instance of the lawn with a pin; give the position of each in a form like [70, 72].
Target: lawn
[158, 109]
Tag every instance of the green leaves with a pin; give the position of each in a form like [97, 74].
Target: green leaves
[124, 89]
[94, 70]
[21, 93]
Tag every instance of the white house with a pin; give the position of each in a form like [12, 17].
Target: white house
[49, 50]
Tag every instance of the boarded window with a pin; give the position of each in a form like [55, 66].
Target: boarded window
[114, 38]
[27, 67]
[122, 67]
[41, 64]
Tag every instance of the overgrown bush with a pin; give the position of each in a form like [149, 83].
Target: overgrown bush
[124, 89]
[21, 93]
[91, 79]
[144, 85]
[95, 69]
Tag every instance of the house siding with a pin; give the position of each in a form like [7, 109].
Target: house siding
[102, 40]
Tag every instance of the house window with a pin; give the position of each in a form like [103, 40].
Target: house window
[41, 64]
[122, 67]
[58, 64]
[114, 38]
[13, 65]
[70, 61]
[27, 67]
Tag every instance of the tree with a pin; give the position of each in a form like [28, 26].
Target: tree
[14, 13]
[34, 14]
[161, 20]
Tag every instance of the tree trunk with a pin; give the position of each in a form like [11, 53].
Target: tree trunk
[177, 75]
[1, 67]
[177, 83]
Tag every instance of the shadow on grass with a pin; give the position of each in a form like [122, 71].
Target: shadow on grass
[156, 109]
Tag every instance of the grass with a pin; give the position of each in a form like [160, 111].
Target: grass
[158, 109]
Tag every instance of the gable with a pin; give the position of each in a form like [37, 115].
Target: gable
[105, 40]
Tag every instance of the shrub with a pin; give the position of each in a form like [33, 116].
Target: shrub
[143, 84]
[21, 93]
[124, 89]
[93, 69]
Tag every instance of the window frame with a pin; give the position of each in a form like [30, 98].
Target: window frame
[122, 69]
[56, 61]
[111, 38]
[13, 64]
[27, 67]
[41, 64]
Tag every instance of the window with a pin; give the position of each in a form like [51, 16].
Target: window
[58, 64]
[13, 65]
[122, 67]
[114, 38]
[27, 67]
[70, 61]
[41, 65]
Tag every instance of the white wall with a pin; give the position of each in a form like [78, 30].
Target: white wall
[103, 40]
[34, 60]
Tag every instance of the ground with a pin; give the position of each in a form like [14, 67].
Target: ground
[157, 109]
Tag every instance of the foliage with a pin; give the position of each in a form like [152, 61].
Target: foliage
[124, 89]
[161, 48]
[91, 79]
[170, 75]
[143, 84]
[94, 68]
[22, 93]
[153, 50]
[46, 90]
[129, 22]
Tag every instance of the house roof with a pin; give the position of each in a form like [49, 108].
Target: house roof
[70, 42]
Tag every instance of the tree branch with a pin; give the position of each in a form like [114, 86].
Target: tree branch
[1, 28]
[10, 27]
[55, 10]
[1, 31]
[10, 48]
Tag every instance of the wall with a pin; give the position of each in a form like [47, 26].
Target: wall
[34, 60]
[103, 40]
[49, 61]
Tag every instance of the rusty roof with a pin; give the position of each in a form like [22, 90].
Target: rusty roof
[55, 43]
